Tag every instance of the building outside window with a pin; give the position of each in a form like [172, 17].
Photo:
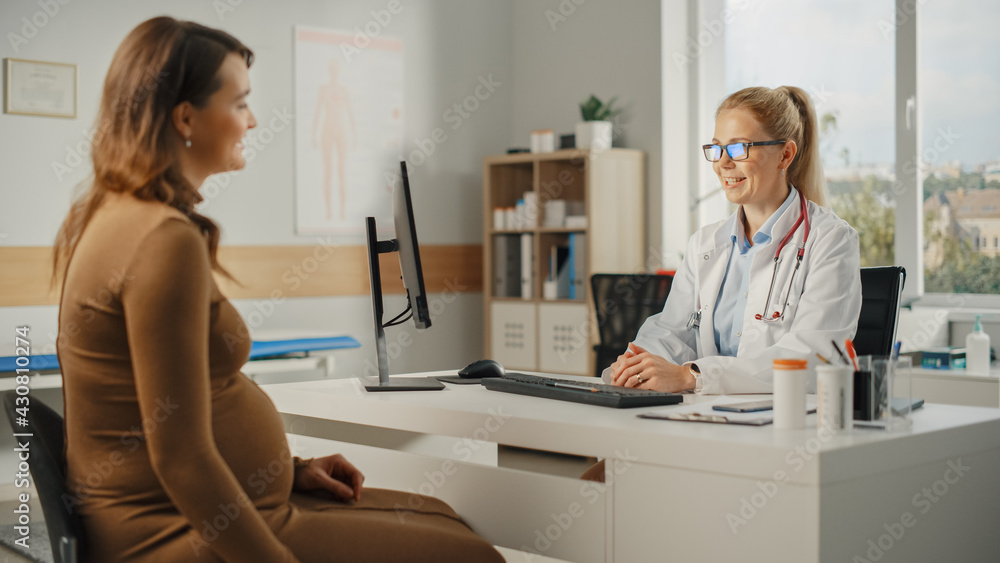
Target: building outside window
[958, 81]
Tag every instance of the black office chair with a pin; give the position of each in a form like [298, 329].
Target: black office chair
[623, 302]
[47, 462]
[881, 289]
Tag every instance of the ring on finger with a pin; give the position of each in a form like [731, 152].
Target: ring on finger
[639, 377]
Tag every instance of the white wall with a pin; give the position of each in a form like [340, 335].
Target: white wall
[545, 65]
[566, 50]
[448, 45]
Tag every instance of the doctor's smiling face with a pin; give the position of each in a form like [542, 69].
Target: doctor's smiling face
[756, 182]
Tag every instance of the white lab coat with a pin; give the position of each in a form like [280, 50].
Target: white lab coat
[823, 305]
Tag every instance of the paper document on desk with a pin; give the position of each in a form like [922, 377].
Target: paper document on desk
[703, 412]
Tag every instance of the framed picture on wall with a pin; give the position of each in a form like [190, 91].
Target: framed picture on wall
[40, 88]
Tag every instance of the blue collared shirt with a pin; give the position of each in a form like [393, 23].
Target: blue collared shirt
[732, 303]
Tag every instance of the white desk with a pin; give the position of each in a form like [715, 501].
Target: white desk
[682, 491]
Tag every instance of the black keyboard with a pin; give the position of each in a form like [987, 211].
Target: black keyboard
[580, 391]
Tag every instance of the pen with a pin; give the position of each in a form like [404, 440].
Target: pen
[821, 358]
[849, 346]
[840, 352]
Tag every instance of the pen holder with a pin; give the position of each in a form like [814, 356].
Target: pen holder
[882, 392]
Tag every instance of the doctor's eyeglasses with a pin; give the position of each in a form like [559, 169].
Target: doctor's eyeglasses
[737, 151]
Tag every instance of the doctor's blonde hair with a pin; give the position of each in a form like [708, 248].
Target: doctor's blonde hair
[787, 113]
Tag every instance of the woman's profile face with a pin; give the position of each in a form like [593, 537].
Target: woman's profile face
[218, 128]
[756, 180]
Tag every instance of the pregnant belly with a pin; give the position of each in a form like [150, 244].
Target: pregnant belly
[251, 438]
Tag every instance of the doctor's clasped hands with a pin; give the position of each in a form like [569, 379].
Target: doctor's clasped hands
[641, 369]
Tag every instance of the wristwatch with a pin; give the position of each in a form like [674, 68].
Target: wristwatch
[697, 377]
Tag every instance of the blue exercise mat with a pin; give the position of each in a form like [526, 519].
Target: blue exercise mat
[35, 363]
[259, 349]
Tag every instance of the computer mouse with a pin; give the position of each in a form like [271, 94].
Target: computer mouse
[481, 369]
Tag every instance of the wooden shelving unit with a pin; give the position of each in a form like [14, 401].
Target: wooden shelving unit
[556, 335]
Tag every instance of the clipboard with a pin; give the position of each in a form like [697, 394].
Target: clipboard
[713, 418]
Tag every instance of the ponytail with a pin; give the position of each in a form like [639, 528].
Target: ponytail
[806, 170]
[788, 113]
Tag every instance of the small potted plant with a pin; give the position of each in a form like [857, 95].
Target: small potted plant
[595, 131]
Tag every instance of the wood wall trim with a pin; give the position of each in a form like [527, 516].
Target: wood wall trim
[25, 276]
[271, 272]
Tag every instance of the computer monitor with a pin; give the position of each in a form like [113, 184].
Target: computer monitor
[405, 244]
[409, 251]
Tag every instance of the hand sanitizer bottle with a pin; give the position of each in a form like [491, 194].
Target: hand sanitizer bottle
[977, 351]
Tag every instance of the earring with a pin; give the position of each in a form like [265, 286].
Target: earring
[187, 143]
[782, 170]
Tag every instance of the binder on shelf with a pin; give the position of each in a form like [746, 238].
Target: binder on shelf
[572, 266]
[527, 266]
[577, 265]
[559, 270]
[506, 266]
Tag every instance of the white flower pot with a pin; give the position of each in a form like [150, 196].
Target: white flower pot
[593, 135]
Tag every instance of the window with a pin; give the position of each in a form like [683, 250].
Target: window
[958, 85]
[908, 96]
[802, 43]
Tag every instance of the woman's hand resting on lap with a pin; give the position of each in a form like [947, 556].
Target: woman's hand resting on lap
[331, 473]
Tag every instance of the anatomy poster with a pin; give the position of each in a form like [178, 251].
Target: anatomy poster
[349, 129]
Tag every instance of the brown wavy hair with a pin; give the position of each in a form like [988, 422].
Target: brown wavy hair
[162, 63]
[787, 112]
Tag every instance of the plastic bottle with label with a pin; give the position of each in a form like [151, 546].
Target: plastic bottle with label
[790, 377]
[977, 350]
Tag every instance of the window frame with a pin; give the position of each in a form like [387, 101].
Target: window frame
[908, 245]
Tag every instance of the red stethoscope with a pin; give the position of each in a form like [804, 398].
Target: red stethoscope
[803, 219]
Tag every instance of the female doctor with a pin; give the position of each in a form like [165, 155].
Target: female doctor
[779, 278]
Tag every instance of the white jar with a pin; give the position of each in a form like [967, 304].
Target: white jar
[835, 397]
[499, 219]
[543, 140]
[510, 218]
[790, 393]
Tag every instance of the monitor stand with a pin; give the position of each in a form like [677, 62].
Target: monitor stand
[384, 382]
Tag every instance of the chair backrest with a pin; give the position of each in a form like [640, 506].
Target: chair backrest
[47, 461]
[623, 302]
[881, 289]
